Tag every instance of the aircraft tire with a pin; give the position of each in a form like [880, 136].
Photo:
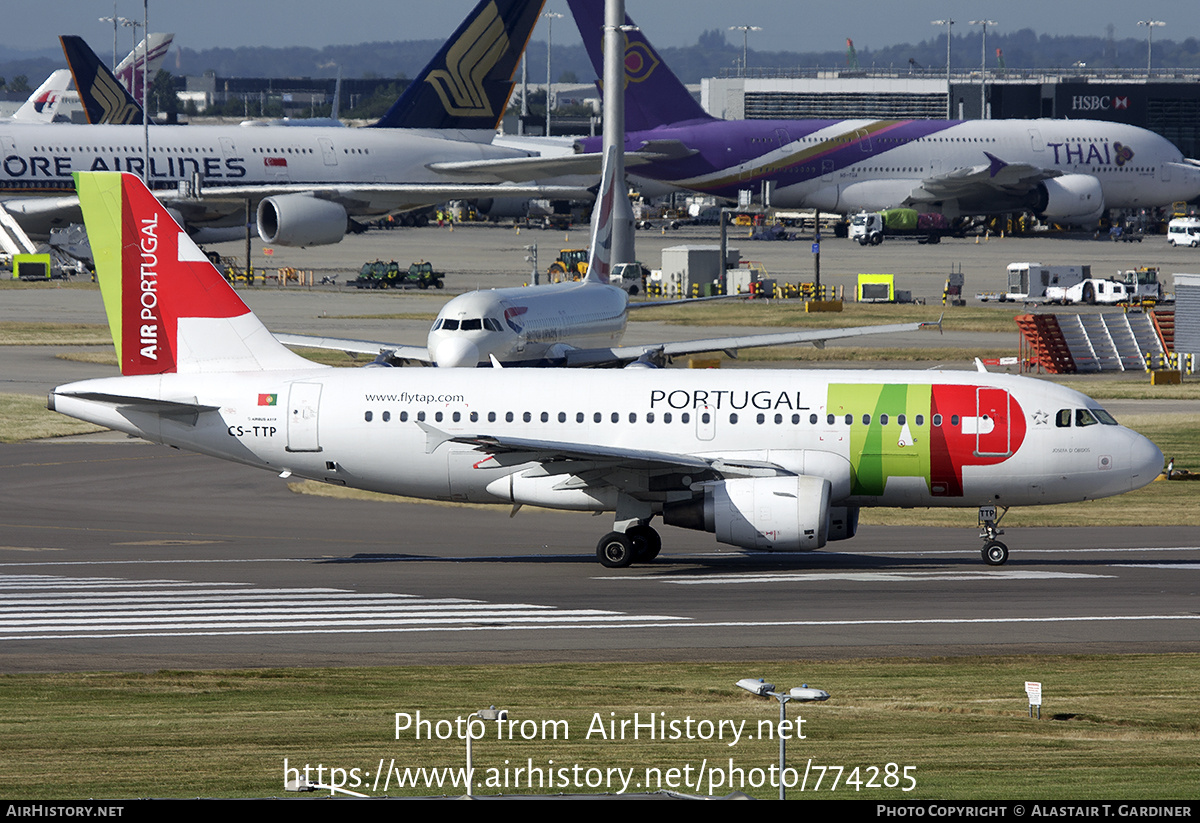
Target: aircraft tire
[995, 553]
[646, 543]
[615, 550]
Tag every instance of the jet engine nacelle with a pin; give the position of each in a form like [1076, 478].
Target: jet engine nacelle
[301, 220]
[1072, 198]
[783, 514]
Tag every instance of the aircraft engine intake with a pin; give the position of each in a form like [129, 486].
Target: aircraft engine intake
[300, 220]
[783, 514]
[1072, 198]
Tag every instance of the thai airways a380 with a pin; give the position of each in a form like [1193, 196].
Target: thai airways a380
[768, 460]
[1066, 170]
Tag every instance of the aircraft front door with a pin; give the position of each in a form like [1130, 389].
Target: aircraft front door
[304, 403]
[990, 426]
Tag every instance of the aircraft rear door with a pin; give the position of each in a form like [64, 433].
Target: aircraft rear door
[304, 402]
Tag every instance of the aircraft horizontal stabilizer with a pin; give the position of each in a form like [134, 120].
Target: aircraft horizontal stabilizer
[393, 352]
[146, 404]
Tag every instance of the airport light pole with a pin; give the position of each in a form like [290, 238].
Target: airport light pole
[948, 23]
[799, 694]
[745, 30]
[117, 23]
[550, 15]
[1150, 25]
[983, 67]
[615, 33]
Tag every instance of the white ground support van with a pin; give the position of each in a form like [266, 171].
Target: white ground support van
[1092, 291]
[1184, 231]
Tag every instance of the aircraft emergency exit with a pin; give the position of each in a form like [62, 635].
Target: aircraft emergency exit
[769, 460]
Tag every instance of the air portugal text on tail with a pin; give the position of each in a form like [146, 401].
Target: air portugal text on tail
[169, 310]
[768, 460]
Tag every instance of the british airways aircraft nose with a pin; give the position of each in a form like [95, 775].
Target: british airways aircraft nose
[455, 353]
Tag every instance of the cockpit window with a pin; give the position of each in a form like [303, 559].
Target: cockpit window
[1104, 417]
[1083, 417]
[450, 325]
[472, 324]
[1063, 418]
[492, 324]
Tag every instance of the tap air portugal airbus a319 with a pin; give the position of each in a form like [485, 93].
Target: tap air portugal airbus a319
[770, 460]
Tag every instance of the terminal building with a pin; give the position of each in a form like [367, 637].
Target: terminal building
[1165, 102]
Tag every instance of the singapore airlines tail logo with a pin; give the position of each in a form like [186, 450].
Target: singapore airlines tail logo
[468, 61]
[112, 100]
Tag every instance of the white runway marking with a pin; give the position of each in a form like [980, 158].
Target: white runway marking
[1188, 566]
[855, 577]
[49, 607]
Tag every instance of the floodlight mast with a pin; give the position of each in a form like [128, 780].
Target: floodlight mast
[799, 694]
[949, 24]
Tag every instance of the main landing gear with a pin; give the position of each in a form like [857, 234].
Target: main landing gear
[638, 544]
[994, 552]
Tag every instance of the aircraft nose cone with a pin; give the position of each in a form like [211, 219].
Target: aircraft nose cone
[1145, 461]
[456, 353]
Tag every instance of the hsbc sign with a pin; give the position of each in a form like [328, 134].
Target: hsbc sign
[1099, 102]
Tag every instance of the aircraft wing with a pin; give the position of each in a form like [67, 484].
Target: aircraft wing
[522, 169]
[601, 458]
[655, 353]
[389, 351]
[224, 205]
[660, 352]
[987, 178]
[372, 196]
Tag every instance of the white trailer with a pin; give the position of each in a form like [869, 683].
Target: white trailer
[1030, 281]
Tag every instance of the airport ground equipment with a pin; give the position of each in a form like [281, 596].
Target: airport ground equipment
[1184, 231]
[870, 228]
[1075, 343]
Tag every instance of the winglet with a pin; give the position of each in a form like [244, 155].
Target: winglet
[931, 325]
[169, 309]
[995, 164]
[468, 82]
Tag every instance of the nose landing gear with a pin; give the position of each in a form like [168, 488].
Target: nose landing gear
[994, 552]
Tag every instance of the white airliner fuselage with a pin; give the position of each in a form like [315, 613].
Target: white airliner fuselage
[351, 172]
[682, 444]
[528, 325]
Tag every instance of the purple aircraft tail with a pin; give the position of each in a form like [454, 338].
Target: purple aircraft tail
[653, 94]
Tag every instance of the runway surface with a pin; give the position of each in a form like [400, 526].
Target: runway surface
[133, 556]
